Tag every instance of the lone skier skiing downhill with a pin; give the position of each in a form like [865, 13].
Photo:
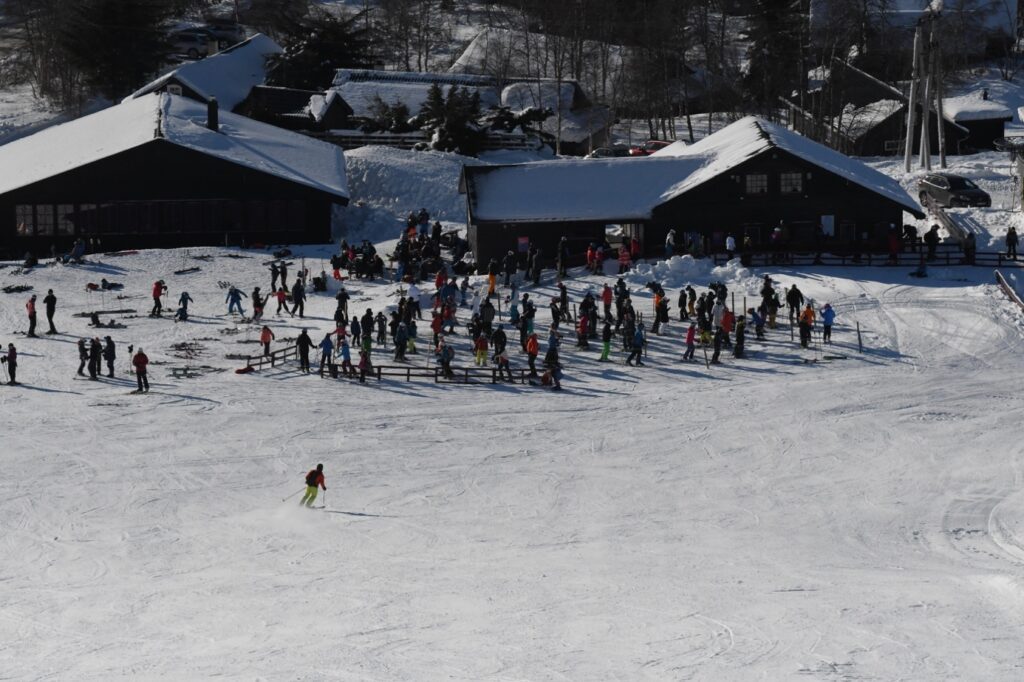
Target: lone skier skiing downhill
[314, 479]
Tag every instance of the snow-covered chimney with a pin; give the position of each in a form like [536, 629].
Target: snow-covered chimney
[212, 115]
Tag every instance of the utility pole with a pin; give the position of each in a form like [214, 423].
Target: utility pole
[908, 149]
[926, 108]
[939, 112]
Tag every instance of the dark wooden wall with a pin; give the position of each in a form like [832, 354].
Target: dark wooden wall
[179, 197]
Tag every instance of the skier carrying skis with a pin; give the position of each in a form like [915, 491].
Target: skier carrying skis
[314, 481]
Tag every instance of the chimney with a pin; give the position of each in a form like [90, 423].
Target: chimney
[212, 115]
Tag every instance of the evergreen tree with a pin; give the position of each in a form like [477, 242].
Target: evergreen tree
[116, 45]
[318, 45]
[775, 30]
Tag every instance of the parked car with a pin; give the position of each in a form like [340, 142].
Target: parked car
[225, 33]
[608, 153]
[193, 42]
[946, 190]
[648, 148]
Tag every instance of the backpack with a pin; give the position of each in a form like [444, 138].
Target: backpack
[311, 478]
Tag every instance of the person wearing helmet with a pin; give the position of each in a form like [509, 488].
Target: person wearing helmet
[314, 480]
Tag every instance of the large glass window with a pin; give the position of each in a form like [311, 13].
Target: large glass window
[25, 220]
[86, 219]
[256, 216]
[276, 215]
[44, 219]
[65, 219]
[757, 183]
[296, 216]
[791, 183]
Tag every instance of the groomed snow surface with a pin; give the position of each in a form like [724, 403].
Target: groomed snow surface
[773, 519]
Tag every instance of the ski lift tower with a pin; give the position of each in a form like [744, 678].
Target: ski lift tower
[1014, 145]
[926, 90]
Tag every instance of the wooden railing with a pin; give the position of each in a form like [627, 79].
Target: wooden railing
[1010, 292]
[945, 254]
[277, 357]
[435, 373]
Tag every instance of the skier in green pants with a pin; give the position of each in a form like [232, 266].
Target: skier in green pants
[314, 479]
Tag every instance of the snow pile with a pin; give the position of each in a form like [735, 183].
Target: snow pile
[678, 271]
[403, 181]
[388, 183]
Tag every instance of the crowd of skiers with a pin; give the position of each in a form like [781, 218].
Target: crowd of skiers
[601, 317]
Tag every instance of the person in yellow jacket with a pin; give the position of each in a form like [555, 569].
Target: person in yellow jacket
[806, 325]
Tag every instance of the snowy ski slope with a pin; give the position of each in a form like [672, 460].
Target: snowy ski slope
[769, 519]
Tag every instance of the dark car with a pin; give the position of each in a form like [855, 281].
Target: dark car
[946, 191]
[608, 153]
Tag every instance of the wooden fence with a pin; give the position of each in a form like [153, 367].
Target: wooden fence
[1010, 292]
[460, 375]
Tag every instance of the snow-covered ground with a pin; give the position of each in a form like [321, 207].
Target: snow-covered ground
[859, 518]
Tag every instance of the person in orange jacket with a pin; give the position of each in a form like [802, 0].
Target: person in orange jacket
[266, 336]
[806, 325]
[532, 351]
[314, 481]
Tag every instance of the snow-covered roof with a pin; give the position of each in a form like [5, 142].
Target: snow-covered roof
[228, 75]
[855, 121]
[677, 148]
[360, 88]
[971, 107]
[361, 94]
[630, 189]
[181, 121]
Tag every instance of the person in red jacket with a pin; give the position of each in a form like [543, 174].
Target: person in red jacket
[139, 362]
[266, 336]
[314, 479]
[159, 289]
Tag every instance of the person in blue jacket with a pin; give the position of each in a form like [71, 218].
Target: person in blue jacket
[346, 358]
[638, 346]
[234, 301]
[828, 316]
[326, 353]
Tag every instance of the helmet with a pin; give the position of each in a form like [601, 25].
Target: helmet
[319, 467]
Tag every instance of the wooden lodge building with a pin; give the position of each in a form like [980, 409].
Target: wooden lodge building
[745, 180]
[161, 170]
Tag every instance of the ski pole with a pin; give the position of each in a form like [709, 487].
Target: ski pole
[293, 494]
